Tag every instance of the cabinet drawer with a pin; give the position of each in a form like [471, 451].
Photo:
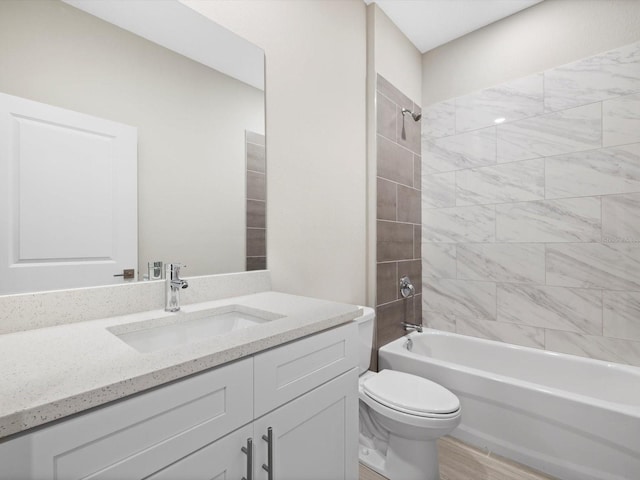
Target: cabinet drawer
[148, 431]
[286, 372]
[222, 459]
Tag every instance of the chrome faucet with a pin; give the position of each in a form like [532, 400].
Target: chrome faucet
[412, 327]
[173, 284]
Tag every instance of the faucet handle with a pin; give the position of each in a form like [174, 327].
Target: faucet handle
[406, 287]
[173, 270]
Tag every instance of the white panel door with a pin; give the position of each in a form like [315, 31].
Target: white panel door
[68, 202]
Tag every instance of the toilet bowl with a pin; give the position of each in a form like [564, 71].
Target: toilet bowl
[401, 417]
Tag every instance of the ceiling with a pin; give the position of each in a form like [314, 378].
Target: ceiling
[430, 23]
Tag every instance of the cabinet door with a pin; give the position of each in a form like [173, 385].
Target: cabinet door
[222, 460]
[314, 437]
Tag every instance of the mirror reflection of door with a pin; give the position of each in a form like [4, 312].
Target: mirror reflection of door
[69, 216]
[189, 86]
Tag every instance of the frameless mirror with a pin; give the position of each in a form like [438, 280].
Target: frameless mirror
[131, 133]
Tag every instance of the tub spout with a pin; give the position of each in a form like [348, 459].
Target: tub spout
[412, 327]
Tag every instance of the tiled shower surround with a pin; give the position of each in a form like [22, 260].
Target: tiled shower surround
[398, 211]
[531, 210]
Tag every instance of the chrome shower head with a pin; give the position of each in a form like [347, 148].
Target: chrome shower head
[416, 116]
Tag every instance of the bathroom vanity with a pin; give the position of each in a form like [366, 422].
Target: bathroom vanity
[277, 399]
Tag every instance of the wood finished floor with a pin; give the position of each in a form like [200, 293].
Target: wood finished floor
[459, 461]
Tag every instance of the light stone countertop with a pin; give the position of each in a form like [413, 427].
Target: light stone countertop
[50, 373]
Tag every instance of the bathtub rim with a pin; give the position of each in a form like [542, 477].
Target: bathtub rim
[397, 347]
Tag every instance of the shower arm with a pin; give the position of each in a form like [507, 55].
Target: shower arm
[416, 116]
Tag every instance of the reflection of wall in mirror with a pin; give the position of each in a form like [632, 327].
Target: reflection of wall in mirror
[191, 122]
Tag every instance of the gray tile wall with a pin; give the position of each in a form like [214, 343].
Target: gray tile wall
[398, 211]
[256, 201]
[531, 210]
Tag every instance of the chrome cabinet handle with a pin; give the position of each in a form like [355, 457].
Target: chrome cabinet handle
[268, 467]
[248, 450]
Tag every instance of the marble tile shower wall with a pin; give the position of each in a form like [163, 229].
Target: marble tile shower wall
[398, 211]
[531, 210]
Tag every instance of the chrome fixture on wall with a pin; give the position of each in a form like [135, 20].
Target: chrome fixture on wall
[412, 327]
[416, 116]
[407, 290]
[406, 287]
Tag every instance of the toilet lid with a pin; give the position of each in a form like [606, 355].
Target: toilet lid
[410, 394]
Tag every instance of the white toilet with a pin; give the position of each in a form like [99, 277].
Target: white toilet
[401, 416]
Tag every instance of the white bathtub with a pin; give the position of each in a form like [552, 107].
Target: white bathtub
[571, 417]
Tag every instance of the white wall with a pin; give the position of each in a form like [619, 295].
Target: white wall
[396, 58]
[548, 34]
[315, 91]
[191, 124]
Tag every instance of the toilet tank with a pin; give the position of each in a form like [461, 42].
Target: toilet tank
[365, 340]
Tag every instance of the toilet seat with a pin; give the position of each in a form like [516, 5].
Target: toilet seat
[411, 394]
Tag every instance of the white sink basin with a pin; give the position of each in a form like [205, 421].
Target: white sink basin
[187, 327]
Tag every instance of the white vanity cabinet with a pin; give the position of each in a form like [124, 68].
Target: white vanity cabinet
[303, 392]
